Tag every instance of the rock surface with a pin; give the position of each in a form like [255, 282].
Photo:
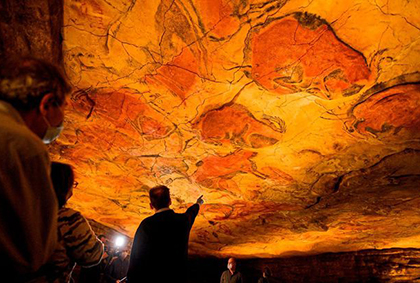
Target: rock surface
[297, 120]
[31, 27]
[391, 265]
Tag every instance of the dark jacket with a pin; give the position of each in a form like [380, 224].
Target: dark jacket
[160, 247]
[117, 269]
[263, 280]
[227, 277]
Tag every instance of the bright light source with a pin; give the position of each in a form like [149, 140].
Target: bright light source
[119, 241]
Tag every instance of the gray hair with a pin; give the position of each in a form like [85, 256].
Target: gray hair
[25, 81]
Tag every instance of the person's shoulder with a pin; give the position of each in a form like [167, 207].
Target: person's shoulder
[68, 217]
[21, 137]
[148, 221]
[68, 220]
[66, 212]
[225, 272]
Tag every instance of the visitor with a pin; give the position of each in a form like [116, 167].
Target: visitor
[266, 275]
[77, 243]
[117, 269]
[32, 102]
[96, 273]
[231, 275]
[160, 248]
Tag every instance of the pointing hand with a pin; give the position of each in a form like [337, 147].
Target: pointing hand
[200, 200]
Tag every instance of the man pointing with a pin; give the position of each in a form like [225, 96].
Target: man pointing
[160, 247]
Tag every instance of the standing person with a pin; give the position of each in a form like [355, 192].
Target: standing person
[160, 248]
[77, 243]
[118, 268]
[95, 273]
[32, 102]
[266, 275]
[231, 275]
[104, 240]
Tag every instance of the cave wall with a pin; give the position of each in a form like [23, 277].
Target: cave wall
[31, 27]
[362, 181]
[370, 266]
[298, 120]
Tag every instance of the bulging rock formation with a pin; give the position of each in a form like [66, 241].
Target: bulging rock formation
[298, 120]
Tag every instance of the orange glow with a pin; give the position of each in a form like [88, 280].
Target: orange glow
[297, 120]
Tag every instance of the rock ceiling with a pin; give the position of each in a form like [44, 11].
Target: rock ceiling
[298, 120]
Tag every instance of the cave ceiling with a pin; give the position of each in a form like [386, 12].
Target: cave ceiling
[297, 120]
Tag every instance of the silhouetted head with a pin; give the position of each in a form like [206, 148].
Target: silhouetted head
[159, 197]
[62, 177]
[266, 272]
[123, 254]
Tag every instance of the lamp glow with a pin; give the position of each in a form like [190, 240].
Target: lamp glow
[119, 241]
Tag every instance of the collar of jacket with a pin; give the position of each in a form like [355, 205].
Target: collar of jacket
[163, 209]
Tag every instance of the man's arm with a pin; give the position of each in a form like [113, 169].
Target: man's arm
[192, 211]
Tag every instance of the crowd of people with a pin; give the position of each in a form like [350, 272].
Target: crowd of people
[41, 239]
[112, 268]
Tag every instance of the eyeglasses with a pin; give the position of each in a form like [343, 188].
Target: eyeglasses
[75, 184]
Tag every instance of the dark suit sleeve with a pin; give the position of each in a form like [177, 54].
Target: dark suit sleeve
[191, 213]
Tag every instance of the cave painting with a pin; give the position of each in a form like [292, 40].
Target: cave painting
[236, 125]
[273, 110]
[214, 171]
[277, 175]
[301, 52]
[126, 108]
[217, 17]
[383, 114]
[179, 75]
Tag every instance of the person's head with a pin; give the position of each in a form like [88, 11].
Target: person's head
[123, 254]
[102, 238]
[37, 90]
[266, 272]
[231, 264]
[159, 197]
[62, 178]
